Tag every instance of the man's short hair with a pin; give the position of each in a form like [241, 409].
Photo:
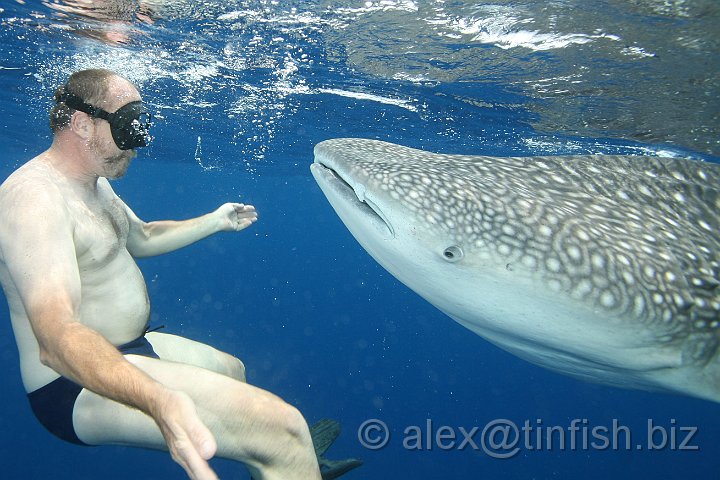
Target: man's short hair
[90, 85]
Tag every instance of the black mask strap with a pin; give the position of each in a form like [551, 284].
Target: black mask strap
[77, 103]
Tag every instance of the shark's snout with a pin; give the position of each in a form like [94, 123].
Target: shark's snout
[352, 193]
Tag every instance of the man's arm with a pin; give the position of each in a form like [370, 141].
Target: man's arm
[37, 244]
[146, 239]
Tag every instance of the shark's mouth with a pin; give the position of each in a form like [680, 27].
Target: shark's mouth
[337, 188]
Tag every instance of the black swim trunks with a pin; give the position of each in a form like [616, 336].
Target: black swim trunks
[53, 404]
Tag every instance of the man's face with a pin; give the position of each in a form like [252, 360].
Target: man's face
[112, 162]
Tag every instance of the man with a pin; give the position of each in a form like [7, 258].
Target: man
[80, 309]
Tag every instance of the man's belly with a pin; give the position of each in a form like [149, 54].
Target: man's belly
[114, 302]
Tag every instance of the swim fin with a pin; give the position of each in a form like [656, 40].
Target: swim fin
[337, 468]
[323, 435]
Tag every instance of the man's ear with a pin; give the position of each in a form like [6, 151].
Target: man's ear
[82, 124]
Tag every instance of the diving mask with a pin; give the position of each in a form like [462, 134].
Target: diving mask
[129, 125]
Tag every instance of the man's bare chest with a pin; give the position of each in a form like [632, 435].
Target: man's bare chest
[100, 231]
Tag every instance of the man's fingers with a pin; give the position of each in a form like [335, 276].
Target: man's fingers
[188, 457]
[203, 441]
[198, 468]
[245, 211]
[238, 216]
[202, 447]
[189, 441]
[246, 217]
[241, 207]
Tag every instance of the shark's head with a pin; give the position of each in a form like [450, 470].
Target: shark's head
[416, 216]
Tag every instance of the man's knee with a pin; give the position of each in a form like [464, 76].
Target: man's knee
[286, 450]
[295, 429]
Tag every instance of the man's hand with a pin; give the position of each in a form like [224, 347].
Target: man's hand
[189, 441]
[236, 216]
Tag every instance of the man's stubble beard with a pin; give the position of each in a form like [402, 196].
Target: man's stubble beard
[114, 165]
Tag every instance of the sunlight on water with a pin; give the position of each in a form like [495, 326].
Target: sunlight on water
[593, 71]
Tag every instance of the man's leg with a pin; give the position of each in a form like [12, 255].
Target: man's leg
[250, 425]
[179, 349]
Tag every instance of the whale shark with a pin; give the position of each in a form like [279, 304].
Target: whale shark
[602, 267]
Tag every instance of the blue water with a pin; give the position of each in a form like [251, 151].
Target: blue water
[242, 92]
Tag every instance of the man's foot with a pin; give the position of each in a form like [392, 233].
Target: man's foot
[323, 435]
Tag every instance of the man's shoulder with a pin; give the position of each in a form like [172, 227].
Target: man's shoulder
[29, 187]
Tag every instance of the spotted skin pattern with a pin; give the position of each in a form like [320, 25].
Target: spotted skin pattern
[633, 236]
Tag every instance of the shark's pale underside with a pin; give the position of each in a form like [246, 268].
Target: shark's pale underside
[606, 268]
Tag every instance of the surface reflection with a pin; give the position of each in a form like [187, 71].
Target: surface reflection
[110, 21]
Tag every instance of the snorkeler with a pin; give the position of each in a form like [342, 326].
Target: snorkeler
[79, 306]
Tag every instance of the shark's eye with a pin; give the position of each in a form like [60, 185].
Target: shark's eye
[453, 253]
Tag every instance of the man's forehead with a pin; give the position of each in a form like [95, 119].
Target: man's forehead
[121, 92]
